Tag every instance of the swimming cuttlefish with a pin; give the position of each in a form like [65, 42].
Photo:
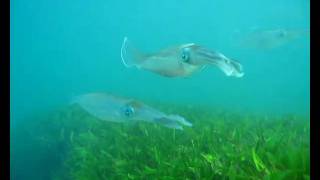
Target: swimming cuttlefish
[112, 108]
[268, 39]
[179, 61]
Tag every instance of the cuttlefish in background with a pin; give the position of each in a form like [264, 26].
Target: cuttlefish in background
[118, 109]
[267, 39]
[179, 61]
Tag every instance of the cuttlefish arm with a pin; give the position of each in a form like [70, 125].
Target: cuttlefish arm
[197, 55]
[149, 114]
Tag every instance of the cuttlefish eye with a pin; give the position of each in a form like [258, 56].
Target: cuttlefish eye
[128, 111]
[185, 54]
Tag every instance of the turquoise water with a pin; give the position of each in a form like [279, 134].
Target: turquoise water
[64, 48]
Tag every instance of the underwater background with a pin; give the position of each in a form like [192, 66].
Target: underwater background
[254, 127]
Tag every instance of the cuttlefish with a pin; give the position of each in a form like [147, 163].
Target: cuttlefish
[112, 108]
[268, 39]
[179, 61]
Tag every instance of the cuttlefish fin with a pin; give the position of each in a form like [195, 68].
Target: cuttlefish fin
[130, 55]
